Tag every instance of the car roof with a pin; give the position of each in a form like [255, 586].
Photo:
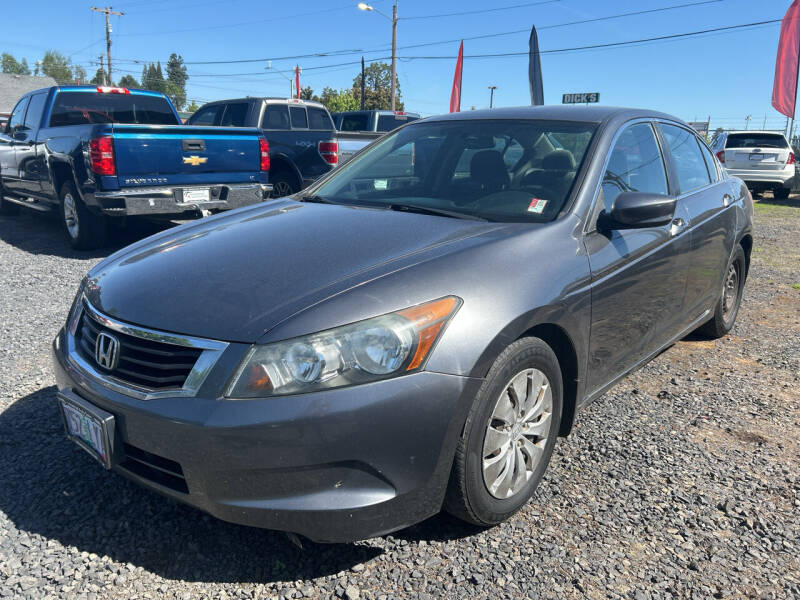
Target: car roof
[270, 99]
[758, 131]
[556, 112]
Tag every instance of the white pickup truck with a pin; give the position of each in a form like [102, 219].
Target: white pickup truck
[358, 128]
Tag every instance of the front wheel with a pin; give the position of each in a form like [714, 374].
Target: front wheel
[730, 299]
[509, 435]
[84, 229]
[283, 184]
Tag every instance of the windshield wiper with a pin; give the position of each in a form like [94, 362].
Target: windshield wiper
[439, 212]
[316, 200]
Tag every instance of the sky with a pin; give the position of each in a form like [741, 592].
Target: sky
[723, 75]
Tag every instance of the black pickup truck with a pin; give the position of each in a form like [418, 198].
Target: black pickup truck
[303, 142]
[98, 152]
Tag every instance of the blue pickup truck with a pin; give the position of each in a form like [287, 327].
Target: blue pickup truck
[94, 153]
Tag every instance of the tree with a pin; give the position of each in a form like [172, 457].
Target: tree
[378, 88]
[128, 81]
[10, 65]
[57, 66]
[153, 79]
[176, 80]
[99, 77]
[78, 74]
[339, 101]
[192, 107]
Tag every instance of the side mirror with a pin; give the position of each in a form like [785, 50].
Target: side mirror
[632, 210]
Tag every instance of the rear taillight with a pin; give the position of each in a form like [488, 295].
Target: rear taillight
[791, 159]
[263, 148]
[101, 155]
[329, 151]
[106, 89]
[721, 156]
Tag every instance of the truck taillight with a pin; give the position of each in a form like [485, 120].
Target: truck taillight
[791, 159]
[107, 89]
[721, 156]
[263, 148]
[329, 151]
[101, 155]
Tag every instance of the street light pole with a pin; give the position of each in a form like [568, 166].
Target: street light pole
[492, 88]
[393, 19]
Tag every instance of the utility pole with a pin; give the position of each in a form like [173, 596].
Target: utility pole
[747, 121]
[103, 69]
[394, 53]
[765, 123]
[492, 88]
[363, 84]
[107, 11]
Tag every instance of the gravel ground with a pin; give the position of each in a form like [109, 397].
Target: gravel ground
[682, 481]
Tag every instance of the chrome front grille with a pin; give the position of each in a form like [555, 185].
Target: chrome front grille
[144, 363]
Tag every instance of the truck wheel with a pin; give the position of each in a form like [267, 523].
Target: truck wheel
[727, 306]
[6, 207]
[84, 229]
[283, 184]
[509, 435]
[781, 193]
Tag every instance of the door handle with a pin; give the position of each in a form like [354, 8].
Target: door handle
[726, 200]
[677, 226]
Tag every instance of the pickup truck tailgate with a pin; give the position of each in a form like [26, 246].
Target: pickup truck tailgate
[178, 154]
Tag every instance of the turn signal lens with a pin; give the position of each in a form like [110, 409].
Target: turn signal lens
[263, 148]
[378, 348]
[721, 156]
[791, 159]
[101, 155]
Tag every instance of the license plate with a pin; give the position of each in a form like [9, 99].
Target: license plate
[757, 157]
[88, 426]
[197, 195]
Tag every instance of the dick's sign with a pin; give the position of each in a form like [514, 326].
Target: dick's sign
[580, 98]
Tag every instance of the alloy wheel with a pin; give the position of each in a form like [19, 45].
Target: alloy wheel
[71, 216]
[517, 433]
[281, 189]
[730, 291]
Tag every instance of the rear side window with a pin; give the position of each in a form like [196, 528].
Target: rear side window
[235, 115]
[80, 108]
[207, 116]
[276, 116]
[18, 114]
[711, 164]
[391, 122]
[689, 162]
[354, 123]
[635, 165]
[318, 118]
[756, 140]
[299, 117]
[33, 117]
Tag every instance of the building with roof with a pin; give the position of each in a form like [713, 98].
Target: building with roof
[12, 87]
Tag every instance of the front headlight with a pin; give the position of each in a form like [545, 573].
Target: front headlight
[378, 348]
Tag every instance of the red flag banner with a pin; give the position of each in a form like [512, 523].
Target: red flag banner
[784, 89]
[455, 96]
[297, 80]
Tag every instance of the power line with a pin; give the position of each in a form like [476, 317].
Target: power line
[483, 10]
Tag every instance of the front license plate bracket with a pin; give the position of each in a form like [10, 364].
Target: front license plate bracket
[89, 426]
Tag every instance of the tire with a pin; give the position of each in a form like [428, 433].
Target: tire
[781, 193]
[6, 207]
[477, 491]
[727, 307]
[283, 183]
[84, 229]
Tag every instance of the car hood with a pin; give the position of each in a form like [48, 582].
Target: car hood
[234, 276]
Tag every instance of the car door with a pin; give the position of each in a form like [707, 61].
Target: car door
[8, 156]
[30, 158]
[709, 204]
[638, 274]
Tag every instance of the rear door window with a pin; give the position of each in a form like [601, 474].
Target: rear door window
[687, 158]
[276, 116]
[635, 165]
[756, 140]
[207, 116]
[235, 115]
[711, 164]
[299, 117]
[18, 114]
[33, 117]
[318, 118]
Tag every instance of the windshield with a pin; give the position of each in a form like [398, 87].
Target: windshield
[756, 140]
[503, 170]
[81, 108]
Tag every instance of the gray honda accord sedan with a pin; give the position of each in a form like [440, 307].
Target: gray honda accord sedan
[415, 330]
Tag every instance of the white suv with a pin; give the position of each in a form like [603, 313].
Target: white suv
[762, 159]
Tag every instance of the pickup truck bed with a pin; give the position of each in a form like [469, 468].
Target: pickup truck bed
[96, 152]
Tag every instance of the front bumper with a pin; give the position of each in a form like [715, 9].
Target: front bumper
[335, 466]
[765, 178]
[169, 200]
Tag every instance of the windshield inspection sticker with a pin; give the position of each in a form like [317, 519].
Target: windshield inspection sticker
[537, 206]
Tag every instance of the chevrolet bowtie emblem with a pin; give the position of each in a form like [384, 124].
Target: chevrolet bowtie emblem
[194, 160]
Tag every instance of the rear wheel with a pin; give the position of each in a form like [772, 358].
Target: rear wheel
[781, 193]
[6, 207]
[727, 306]
[84, 229]
[509, 435]
[283, 183]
